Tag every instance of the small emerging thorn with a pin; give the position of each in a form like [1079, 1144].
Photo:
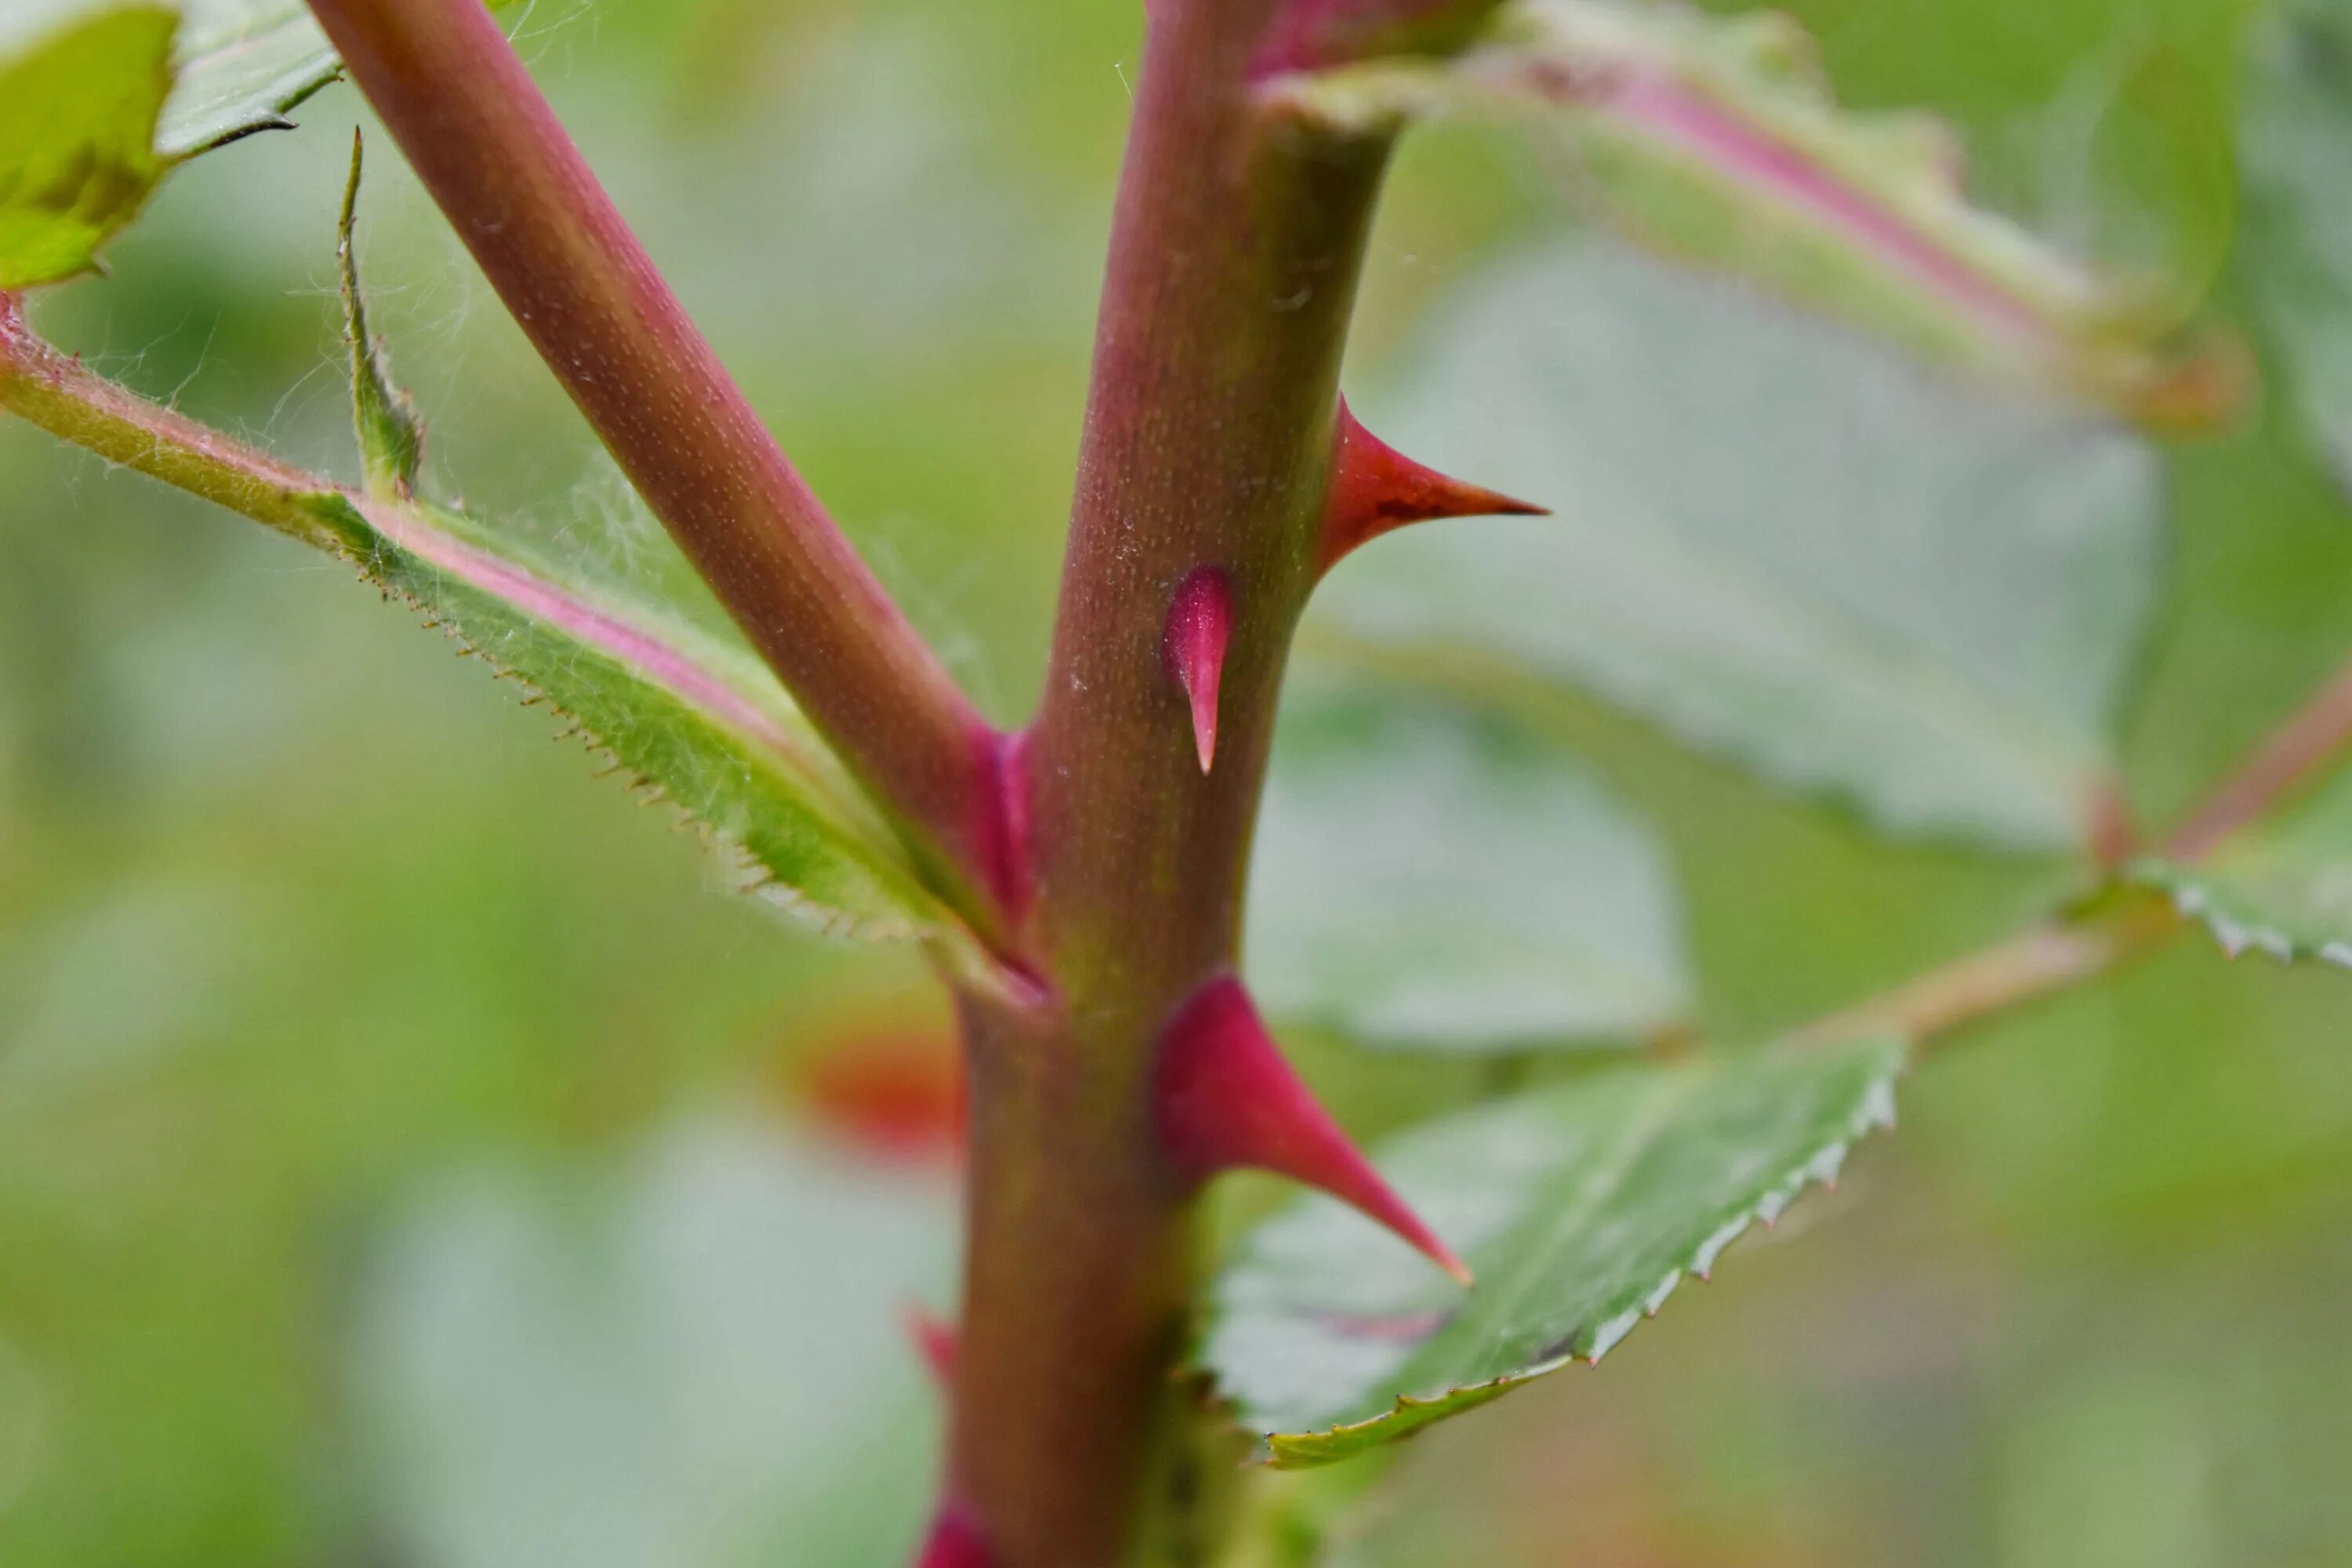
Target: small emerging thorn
[935, 1342]
[1225, 1098]
[1200, 624]
[1376, 489]
[955, 1540]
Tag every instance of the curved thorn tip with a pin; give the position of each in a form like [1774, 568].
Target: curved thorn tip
[1225, 1098]
[1376, 489]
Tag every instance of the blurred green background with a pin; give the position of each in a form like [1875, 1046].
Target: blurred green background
[407, 1151]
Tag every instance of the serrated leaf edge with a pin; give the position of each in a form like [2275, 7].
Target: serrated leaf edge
[2207, 899]
[1298, 1450]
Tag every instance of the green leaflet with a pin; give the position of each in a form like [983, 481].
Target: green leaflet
[98, 102]
[1579, 1206]
[241, 65]
[1778, 541]
[2297, 247]
[1433, 877]
[1718, 140]
[79, 100]
[696, 722]
[2283, 885]
[391, 437]
[580, 1363]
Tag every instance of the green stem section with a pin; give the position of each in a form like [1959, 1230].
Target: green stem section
[493, 155]
[55, 393]
[1234, 253]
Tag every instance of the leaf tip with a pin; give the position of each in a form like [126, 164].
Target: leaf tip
[391, 435]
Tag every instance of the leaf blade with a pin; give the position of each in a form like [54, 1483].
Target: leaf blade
[79, 103]
[2281, 885]
[1425, 876]
[1579, 1207]
[1782, 543]
[1718, 140]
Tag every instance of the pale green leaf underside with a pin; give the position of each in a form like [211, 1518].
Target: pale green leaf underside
[242, 64]
[1435, 878]
[1717, 138]
[2283, 886]
[79, 93]
[1778, 541]
[588, 1363]
[1579, 1207]
[2295, 245]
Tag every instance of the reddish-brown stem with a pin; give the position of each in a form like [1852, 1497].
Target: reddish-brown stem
[2037, 963]
[1208, 439]
[2291, 756]
[493, 155]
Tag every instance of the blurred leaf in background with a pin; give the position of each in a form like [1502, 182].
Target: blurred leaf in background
[384, 1102]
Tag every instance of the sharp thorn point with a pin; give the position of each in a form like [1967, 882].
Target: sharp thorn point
[1200, 625]
[1376, 489]
[1225, 1098]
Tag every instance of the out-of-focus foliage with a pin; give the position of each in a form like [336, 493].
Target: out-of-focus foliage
[1536, 910]
[1718, 140]
[343, 1020]
[1794, 546]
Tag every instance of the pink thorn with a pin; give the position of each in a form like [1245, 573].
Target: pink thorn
[955, 1540]
[1226, 1099]
[1200, 624]
[1376, 489]
[935, 1342]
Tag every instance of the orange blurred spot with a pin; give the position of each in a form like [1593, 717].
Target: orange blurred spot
[894, 1094]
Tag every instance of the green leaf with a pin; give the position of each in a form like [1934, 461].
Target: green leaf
[98, 103]
[79, 100]
[1780, 542]
[1433, 877]
[696, 722]
[1716, 139]
[2295, 247]
[1579, 1207]
[391, 437]
[241, 65]
[2283, 886]
[689, 1357]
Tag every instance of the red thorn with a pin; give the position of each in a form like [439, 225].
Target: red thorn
[955, 1540]
[1225, 1098]
[1376, 489]
[935, 1342]
[1200, 624]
